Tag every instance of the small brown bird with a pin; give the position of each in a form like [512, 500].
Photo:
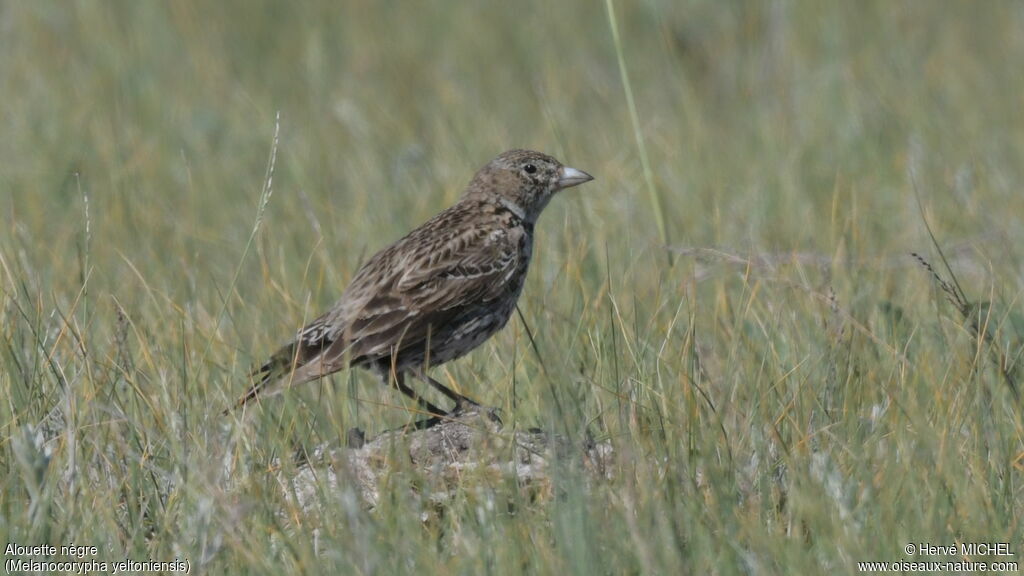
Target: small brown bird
[436, 294]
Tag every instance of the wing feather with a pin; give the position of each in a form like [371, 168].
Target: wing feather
[473, 270]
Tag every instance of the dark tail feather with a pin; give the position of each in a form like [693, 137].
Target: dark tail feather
[269, 371]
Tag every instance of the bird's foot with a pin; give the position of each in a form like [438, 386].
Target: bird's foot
[464, 405]
[492, 415]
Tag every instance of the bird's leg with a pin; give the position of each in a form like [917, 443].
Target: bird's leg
[399, 383]
[461, 402]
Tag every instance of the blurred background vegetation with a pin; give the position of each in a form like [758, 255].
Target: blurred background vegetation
[787, 390]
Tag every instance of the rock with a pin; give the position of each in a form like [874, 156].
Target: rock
[472, 443]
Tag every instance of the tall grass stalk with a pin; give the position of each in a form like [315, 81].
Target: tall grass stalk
[268, 190]
[634, 118]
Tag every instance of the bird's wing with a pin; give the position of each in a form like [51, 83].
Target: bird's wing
[434, 286]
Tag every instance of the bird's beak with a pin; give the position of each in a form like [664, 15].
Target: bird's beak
[569, 177]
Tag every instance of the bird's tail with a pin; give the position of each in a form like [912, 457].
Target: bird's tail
[267, 376]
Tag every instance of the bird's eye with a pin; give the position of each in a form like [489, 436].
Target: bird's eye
[530, 169]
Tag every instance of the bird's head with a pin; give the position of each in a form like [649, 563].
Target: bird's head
[524, 181]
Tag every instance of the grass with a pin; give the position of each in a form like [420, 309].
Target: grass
[794, 394]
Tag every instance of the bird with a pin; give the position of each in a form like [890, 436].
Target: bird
[435, 294]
